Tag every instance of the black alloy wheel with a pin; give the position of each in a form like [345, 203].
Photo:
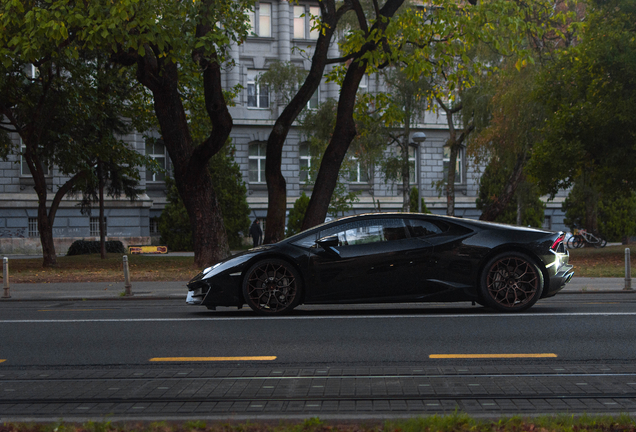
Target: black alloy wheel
[272, 287]
[511, 282]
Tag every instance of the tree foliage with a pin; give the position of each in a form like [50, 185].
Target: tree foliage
[525, 208]
[611, 215]
[296, 215]
[505, 143]
[413, 196]
[402, 107]
[617, 217]
[590, 96]
[66, 103]
[283, 80]
[425, 41]
[164, 41]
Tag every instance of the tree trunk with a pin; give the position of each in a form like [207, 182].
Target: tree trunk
[345, 129]
[344, 133]
[591, 213]
[45, 225]
[208, 233]
[276, 185]
[191, 163]
[102, 227]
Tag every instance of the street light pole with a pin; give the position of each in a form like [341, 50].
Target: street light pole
[418, 138]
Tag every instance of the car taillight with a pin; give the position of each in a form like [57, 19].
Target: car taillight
[557, 242]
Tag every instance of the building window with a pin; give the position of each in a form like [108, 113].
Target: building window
[260, 20]
[358, 173]
[315, 99]
[257, 93]
[364, 83]
[458, 166]
[154, 226]
[305, 162]
[94, 227]
[299, 22]
[257, 162]
[303, 22]
[314, 12]
[33, 227]
[547, 222]
[24, 166]
[412, 165]
[157, 151]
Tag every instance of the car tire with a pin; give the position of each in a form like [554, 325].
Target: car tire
[272, 287]
[511, 282]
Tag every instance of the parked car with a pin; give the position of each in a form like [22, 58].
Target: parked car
[388, 258]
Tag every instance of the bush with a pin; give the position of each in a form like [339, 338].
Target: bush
[174, 223]
[413, 201]
[86, 247]
[297, 215]
[617, 217]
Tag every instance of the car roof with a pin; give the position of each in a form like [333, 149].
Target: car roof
[470, 223]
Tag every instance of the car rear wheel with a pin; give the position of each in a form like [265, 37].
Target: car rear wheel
[272, 287]
[511, 282]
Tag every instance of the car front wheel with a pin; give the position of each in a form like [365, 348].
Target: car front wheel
[511, 282]
[272, 287]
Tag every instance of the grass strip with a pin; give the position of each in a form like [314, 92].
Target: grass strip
[437, 423]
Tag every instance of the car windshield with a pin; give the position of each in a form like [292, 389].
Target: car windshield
[308, 237]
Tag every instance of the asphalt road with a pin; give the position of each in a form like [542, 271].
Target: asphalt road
[571, 353]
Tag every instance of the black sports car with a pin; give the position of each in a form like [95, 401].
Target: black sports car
[392, 257]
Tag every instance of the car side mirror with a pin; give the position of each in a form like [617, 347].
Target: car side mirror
[329, 244]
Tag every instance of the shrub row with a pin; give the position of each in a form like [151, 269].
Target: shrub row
[85, 247]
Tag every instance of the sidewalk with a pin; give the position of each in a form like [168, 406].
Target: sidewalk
[177, 290]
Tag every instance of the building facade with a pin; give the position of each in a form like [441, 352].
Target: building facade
[281, 31]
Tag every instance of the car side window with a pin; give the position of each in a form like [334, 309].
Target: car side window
[306, 241]
[422, 228]
[367, 231]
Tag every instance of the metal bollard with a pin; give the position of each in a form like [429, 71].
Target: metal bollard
[127, 285]
[5, 278]
[628, 271]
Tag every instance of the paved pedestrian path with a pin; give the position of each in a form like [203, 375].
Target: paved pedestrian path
[178, 289]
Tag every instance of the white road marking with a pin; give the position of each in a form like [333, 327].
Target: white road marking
[328, 317]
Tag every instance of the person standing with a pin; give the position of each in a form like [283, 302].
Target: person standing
[256, 232]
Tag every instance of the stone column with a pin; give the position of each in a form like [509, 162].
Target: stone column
[284, 31]
[233, 72]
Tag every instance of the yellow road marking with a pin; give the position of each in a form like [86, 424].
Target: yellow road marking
[253, 358]
[463, 356]
[3, 360]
